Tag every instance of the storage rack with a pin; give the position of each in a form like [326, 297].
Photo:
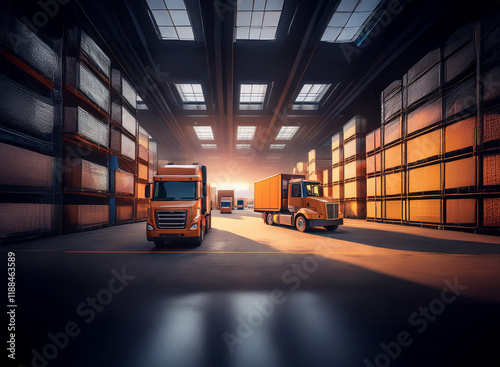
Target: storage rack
[338, 169]
[354, 133]
[30, 79]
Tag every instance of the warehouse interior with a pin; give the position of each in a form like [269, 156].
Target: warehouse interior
[393, 106]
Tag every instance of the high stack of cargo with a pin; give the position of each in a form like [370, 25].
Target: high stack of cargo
[153, 159]
[142, 179]
[373, 176]
[29, 118]
[393, 153]
[441, 137]
[85, 143]
[317, 163]
[301, 168]
[124, 131]
[337, 191]
[354, 168]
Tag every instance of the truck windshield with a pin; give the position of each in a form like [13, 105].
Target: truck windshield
[312, 189]
[240, 202]
[174, 190]
[225, 204]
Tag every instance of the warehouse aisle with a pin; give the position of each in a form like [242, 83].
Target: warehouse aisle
[252, 295]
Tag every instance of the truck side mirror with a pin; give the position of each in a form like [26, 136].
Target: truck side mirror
[147, 191]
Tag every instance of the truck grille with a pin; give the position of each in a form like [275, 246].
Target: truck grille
[171, 219]
[332, 211]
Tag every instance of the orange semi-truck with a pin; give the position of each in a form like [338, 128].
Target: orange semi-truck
[226, 204]
[294, 201]
[225, 193]
[180, 204]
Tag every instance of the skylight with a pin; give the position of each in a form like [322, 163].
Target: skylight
[348, 20]
[192, 96]
[245, 132]
[209, 146]
[242, 146]
[287, 132]
[171, 19]
[252, 96]
[258, 19]
[204, 132]
[140, 104]
[277, 146]
[309, 96]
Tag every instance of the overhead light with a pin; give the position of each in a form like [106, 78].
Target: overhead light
[204, 132]
[209, 146]
[252, 96]
[243, 146]
[171, 19]
[245, 132]
[287, 132]
[257, 19]
[273, 157]
[277, 146]
[309, 96]
[349, 19]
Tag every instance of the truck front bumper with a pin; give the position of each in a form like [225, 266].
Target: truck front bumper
[325, 222]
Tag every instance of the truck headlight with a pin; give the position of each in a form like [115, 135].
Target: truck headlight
[194, 226]
[150, 227]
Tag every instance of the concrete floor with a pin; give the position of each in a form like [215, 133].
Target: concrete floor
[368, 294]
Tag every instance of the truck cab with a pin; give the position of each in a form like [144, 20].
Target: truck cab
[226, 205]
[180, 204]
[240, 204]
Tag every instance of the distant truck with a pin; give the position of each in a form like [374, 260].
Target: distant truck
[225, 193]
[241, 204]
[294, 201]
[180, 204]
[226, 204]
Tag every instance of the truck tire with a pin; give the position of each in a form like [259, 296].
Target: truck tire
[301, 223]
[269, 218]
[331, 228]
[199, 240]
[209, 222]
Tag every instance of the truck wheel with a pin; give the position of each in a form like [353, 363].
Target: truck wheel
[269, 218]
[331, 228]
[209, 222]
[199, 239]
[301, 223]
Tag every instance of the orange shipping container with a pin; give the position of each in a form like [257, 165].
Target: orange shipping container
[427, 210]
[491, 212]
[374, 209]
[424, 116]
[424, 146]
[373, 163]
[338, 173]
[393, 183]
[395, 210]
[491, 170]
[461, 173]
[355, 169]
[425, 178]
[374, 186]
[355, 189]
[85, 216]
[392, 131]
[337, 156]
[22, 217]
[461, 211]
[491, 127]
[373, 140]
[338, 191]
[337, 141]
[142, 171]
[460, 135]
[393, 157]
